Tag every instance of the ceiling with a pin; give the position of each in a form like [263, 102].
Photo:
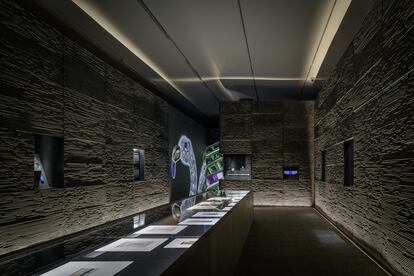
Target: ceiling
[197, 53]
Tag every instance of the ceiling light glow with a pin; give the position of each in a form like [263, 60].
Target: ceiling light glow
[94, 12]
[338, 12]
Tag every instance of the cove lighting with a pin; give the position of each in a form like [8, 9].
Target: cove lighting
[338, 12]
[90, 8]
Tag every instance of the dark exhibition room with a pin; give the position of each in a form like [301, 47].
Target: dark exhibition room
[207, 137]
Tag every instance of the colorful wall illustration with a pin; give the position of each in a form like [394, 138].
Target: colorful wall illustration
[187, 144]
[211, 169]
[183, 152]
[214, 164]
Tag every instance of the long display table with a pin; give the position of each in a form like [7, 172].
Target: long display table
[203, 236]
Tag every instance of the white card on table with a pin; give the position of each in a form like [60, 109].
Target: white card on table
[198, 207]
[199, 221]
[88, 268]
[218, 198]
[209, 215]
[133, 245]
[181, 243]
[208, 203]
[161, 230]
[236, 198]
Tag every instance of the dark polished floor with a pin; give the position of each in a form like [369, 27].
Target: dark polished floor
[298, 241]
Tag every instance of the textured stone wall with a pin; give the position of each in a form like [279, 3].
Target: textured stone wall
[53, 86]
[369, 97]
[275, 134]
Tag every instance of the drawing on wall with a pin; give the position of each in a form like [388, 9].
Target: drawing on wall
[210, 174]
[183, 152]
[88, 268]
[211, 170]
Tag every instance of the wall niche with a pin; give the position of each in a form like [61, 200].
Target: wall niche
[237, 166]
[48, 161]
[138, 161]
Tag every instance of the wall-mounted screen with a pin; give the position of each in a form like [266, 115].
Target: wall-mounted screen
[237, 166]
[138, 161]
[290, 172]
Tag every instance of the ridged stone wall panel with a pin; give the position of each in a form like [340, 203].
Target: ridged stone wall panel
[375, 108]
[53, 86]
[275, 134]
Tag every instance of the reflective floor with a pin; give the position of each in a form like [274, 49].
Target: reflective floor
[298, 241]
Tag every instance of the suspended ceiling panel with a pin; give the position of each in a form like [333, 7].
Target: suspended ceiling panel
[201, 52]
[282, 36]
[131, 24]
[210, 34]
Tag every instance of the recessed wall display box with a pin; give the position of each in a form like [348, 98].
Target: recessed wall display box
[138, 220]
[138, 161]
[349, 163]
[48, 161]
[323, 166]
[237, 166]
[290, 172]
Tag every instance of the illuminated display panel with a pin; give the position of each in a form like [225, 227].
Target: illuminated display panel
[290, 172]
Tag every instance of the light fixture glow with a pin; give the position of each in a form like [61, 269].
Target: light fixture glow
[94, 12]
[338, 12]
[238, 78]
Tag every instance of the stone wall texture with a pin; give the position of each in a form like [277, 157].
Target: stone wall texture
[275, 134]
[53, 86]
[369, 98]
